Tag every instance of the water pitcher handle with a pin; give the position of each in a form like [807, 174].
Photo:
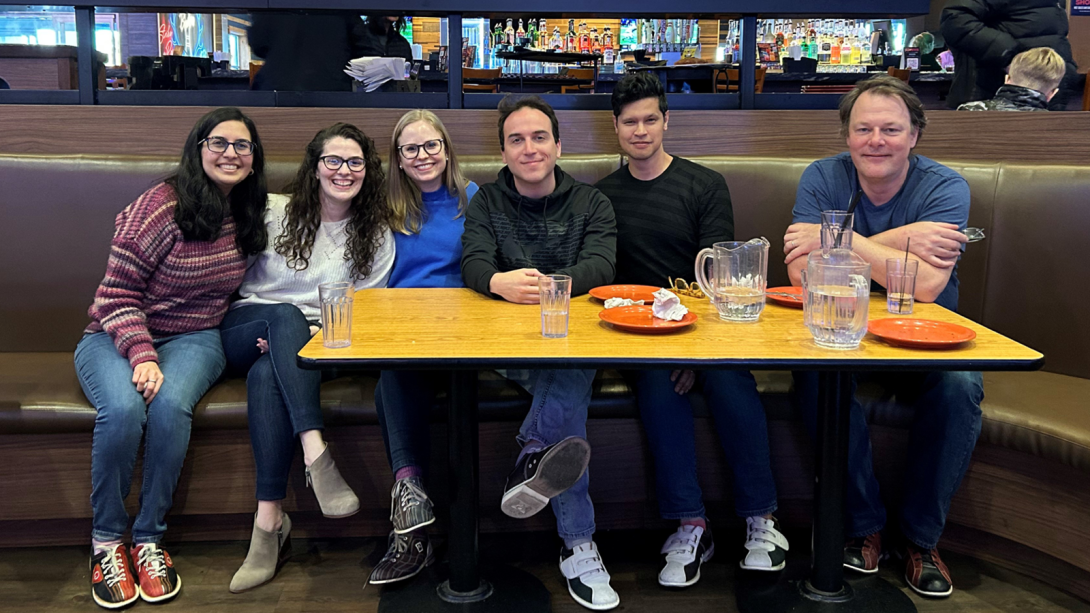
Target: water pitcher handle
[698, 271]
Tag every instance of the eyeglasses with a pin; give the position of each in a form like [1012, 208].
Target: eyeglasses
[219, 145]
[411, 152]
[334, 162]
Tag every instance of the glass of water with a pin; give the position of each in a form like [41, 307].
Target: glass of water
[836, 230]
[555, 294]
[336, 299]
[836, 298]
[900, 285]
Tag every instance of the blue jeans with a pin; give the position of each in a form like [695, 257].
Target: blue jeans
[190, 363]
[941, 441]
[735, 405]
[403, 399]
[282, 400]
[559, 410]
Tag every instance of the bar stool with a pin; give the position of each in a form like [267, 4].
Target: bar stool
[481, 74]
[585, 74]
[899, 73]
[727, 80]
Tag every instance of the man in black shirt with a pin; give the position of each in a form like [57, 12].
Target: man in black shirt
[667, 210]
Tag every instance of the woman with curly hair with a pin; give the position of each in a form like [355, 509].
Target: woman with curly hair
[153, 349]
[332, 227]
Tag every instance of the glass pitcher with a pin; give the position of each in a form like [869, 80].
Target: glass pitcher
[836, 298]
[739, 278]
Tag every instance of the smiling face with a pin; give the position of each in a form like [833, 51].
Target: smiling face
[530, 151]
[427, 169]
[340, 186]
[640, 127]
[880, 137]
[227, 169]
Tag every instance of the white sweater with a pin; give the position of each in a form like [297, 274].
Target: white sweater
[269, 280]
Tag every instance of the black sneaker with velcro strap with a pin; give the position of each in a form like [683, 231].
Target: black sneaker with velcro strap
[543, 474]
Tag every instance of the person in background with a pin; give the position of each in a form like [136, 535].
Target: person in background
[668, 209]
[535, 219]
[153, 347]
[380, 36]
[904, 196]
[331, 227]
[925, 42]
[427, 195]
[992, 32]
[1033, 79]
[305, 51]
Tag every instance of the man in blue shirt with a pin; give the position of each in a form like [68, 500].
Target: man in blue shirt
[904, 196]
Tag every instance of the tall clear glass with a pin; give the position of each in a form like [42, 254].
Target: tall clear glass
[336, 299]
[555, 294]
[836, 298]
[836, 230]
[739, 278]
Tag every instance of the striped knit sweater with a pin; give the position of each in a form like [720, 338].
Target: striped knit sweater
[158, 284]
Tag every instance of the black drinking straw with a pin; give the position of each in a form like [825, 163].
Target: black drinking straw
[904, 279]
[844, 222]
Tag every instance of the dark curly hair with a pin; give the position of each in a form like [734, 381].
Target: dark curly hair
[368, 213]
[202, 206]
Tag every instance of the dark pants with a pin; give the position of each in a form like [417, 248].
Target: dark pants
[281, 398]
[944, 432]
[404, 399]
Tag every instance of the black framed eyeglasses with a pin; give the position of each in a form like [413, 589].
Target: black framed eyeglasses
[219, 145]
[334, 162]
[412, 151]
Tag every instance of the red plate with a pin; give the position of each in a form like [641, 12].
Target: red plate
[632, 292]
[920, 333]
[793, 301]
[637, 318]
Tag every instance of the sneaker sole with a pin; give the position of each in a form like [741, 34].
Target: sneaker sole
[560, 469]
[414, 526]
[427, 563]
[929, 594]
[164, 597]
[707, 556]
[115, 605]
[770, 569]
[593, 607]
[861, 571]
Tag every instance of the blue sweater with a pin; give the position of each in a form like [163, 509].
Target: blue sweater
[432, 258]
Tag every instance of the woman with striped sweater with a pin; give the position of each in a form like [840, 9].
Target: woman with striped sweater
[332, 227]
[153, 347]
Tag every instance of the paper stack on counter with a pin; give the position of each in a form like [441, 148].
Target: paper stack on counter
[374, 71]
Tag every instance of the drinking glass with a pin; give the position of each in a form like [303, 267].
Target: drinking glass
[836, 298]
[336, 299]
[739, 278]
[900, 285]
[555, 294]
[836, 224]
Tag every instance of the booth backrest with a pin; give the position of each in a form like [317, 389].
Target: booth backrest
[1026, 280]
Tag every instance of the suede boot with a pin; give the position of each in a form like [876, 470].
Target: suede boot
[268, 552]
[334, 496]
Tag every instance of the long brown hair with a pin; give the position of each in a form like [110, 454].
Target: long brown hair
[407, 213]
[368, 213]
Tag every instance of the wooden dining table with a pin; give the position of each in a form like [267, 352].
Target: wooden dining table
[461, 331]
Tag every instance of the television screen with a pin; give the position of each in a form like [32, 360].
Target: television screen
[628, 32]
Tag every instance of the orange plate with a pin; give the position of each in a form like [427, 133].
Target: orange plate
[632, 292]
[637, 318]
[920, 333]
[784, 300]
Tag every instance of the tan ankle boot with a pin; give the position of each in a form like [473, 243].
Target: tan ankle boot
[268, 552]
[334, 496]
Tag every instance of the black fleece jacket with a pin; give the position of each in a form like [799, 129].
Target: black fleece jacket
[571, 232]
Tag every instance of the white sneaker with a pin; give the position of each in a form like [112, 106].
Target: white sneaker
[766, 546]
[588, 581]
[685, 551]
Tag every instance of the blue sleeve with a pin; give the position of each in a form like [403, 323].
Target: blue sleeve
[813, 197]
[471, 189]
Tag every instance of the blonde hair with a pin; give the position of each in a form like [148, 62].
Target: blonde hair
[402, 194]
[1041, 69]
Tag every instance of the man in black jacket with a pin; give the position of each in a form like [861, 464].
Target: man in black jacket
[534, 220]
[992, 32]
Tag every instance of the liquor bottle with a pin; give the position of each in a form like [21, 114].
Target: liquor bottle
[845, 51]
[520, 34]
[825, 49]
[542, 34]
[571, 44]
[834, 50]
[595, 42]
[864, 52]
[557, 40]
[607, 56]
[857, 53]
[509, 33]
[531, 34]
[607, 39]
[584, 38]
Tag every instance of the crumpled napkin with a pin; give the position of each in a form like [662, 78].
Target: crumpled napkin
[620, 302]
[668, 306]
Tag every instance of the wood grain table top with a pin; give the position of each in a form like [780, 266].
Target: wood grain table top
[459, 328]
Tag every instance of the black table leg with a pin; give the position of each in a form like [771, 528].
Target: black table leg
[820, 586]
[459, 585]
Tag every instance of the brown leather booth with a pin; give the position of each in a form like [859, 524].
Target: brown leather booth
[1023, 503]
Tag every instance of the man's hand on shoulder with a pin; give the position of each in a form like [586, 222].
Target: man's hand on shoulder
[518, 286]
[936, 243]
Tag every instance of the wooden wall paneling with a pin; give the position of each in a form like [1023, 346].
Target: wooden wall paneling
[160, 131]
[426, 34]
[709, 38]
